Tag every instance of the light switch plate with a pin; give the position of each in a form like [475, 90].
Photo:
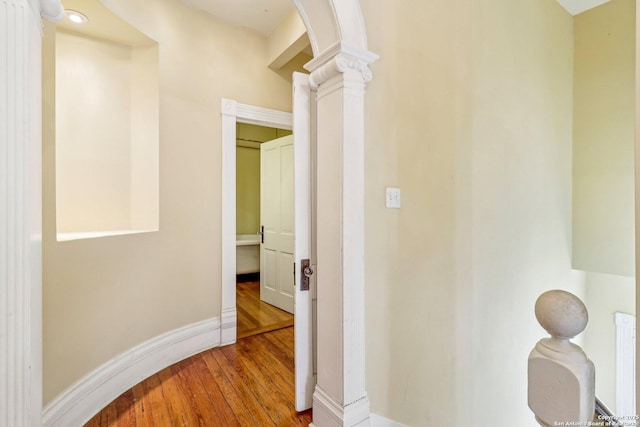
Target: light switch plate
[393, 197]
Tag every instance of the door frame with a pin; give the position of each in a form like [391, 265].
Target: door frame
[234, 112]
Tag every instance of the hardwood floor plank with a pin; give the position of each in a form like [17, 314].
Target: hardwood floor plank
[245, 320]
[249, 400]
[95, 421]
[180, 409]
[266, 368]
[210, 386]
[268, 328]
[107, 417]
[125, 410]
[275, 365]
[142, 405]
[246, 384]
[275, 348]
[255, 316]
[270, 399]
[260, 368]
[280, 338]
[188, 382]
[233, 397]
[157, 412]
[287, 336]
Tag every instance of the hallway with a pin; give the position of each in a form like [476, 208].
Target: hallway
[255, 316]
[250, 383]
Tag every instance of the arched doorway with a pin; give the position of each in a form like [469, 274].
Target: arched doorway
[339, 71]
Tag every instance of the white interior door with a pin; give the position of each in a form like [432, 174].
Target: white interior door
[277, 218]
[287, 171]
[304, 172]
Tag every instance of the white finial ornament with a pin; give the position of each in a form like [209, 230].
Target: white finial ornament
[561, 377]
[561, 313]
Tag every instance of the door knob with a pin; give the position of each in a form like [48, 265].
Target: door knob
[308, 271]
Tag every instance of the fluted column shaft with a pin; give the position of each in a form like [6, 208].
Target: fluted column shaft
[20, 209]
[340, 75]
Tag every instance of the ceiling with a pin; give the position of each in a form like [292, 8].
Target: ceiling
[575, 7]
[102, 24]
[262, 16]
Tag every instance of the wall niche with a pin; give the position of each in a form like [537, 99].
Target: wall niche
[107, 126]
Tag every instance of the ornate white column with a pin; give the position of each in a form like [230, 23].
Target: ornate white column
[20, 210]
[340, 74]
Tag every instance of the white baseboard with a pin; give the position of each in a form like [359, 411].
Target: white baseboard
[376, 420]
[380, 421]
[80, 402]
[328, 412]
[228, 326]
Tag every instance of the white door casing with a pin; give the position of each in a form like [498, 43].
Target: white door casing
[232, 113]
[300, 123]
[277, 223]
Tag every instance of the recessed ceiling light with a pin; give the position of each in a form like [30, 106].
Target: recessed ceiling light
[76, 17]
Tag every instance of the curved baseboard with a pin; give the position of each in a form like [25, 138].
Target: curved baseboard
[80, 402]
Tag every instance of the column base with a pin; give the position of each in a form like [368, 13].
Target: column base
[329, 413]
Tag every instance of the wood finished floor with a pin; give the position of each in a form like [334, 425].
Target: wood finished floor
[255, 316]
[250, 383]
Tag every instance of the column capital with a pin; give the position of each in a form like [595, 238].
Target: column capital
[51, 10]
[338, 59]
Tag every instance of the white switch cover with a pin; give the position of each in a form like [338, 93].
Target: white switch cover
[393, 197]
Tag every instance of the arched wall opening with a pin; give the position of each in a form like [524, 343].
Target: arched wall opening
[338, 40]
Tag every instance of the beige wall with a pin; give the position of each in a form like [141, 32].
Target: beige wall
[603, 176]
[106, 134]
[606, 294]
[145, 153]
[604, 107]
[93, 154]
[247, 190]
[469, 113]
[287, 40]
[104, 296]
